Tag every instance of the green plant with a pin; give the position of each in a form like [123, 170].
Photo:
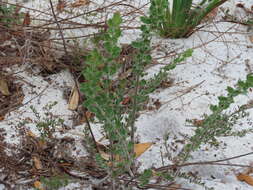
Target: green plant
[105, 99]
[104, 102]
[179, 19]
[47, 124]
[145, 177]
[8, 15]
[219, 123]
[54, 182]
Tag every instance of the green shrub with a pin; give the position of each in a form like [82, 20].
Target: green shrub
[104, 98]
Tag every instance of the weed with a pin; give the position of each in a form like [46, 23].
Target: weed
[47, 124]
[179, 19]
[219, 123]
[54, 182]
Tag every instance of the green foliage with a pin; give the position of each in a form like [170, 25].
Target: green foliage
[8, 16]
[101, 99]
[219, 123]
[145, 177]
[54, 182]
[180, 19]
[154, 82]
[48, 123]
[104, 98]
[165, 175]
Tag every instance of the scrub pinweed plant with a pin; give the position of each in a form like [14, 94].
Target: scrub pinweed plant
[54, 182]
[106, 103]
[219, 123]
[47, 124]
[178, 18]
[105, 92]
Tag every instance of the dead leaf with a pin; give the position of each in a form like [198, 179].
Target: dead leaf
[211, 16]
[126, 101]
[74, 99]
[31, 134]
[157, 104]
[1, 118]
[175, 186]
[139, 149]
[60, 6]
[27, 19]
[240, 5]
[38, 185]
[104, 155]
[167, 83]
[103, 151]
[79, 3]
[251, 38]
[89, 115]
[42, 144]
[198, 122]
[37, 163]
[246, 178]
[4, 87]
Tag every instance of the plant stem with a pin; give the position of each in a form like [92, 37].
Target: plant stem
[59, 27]
[134, 108]
[91, 133]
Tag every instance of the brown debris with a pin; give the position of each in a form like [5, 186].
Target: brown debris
[12, 97]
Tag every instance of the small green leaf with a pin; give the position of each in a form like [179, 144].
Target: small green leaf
[214, 108]
[145, 177]
[116, 19]
[170, 66]
[136, 44]
[145, 20]
[250, 79]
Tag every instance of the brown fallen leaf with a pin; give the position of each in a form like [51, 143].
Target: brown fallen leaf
[126, 100]
[38, 185]
[139, 149]
[246, 178]
[211, 16]
[198, 122]
[27, 19]
[174, 186]
[251, 38]
[74, 99]
[30, 133]
[157, 104]
[4, 87]
[61, 5]
[79, 3]
[37, 163]
[1, 118]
